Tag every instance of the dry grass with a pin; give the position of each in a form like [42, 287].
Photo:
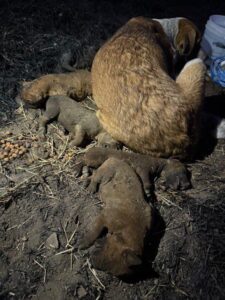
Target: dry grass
[39, 193]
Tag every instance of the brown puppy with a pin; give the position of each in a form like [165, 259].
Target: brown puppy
[125, 215]
[76, 85]
[146, 167]
[139, 103]
[78, 120]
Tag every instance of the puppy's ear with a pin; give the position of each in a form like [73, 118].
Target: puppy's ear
[187, 38]
[131, 258]
[25, 84]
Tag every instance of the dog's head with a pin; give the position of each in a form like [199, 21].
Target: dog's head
[96, 156]
[30, 94]
[182, 33]
[115, 257]
[187, 38]
[106, 141]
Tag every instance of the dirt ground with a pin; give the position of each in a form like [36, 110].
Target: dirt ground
[44, 209]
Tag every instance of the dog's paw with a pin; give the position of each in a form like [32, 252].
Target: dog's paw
[92, 187]
[78, 169]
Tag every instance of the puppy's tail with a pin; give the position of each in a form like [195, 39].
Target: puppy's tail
[79, 57]
[66, 62]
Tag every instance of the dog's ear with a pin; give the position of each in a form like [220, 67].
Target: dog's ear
[131, 258]
[187, 38]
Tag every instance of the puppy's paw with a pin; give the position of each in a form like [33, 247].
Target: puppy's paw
[92, 188]
[78, 169]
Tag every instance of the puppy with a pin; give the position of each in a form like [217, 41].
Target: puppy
[76, 85]
[125, 216]
[139, 103]
[182, 33]
[78, 120]
[146, 167]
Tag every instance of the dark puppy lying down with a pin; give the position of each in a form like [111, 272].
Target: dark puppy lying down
[146, 167]
[78, 120]
[125, 215]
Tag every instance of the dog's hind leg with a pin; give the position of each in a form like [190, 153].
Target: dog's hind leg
[94, 231]
[77, 135]
[191, 81]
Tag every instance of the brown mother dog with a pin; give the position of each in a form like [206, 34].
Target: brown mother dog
[139, 103]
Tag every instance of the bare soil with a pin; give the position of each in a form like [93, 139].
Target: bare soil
[44, 209]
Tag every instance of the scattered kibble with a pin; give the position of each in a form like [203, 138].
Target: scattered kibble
[11, 149]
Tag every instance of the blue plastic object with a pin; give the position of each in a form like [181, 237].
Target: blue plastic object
[217, 70]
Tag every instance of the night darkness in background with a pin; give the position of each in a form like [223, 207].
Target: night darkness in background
[191, 260]
[35, 33]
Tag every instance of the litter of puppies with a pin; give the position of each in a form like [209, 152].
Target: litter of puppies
[124, 179]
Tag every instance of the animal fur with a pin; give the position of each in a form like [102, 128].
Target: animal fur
[125, 215]
[139, 103]
[147, 168]
[78, 120]
[76, 85]
[182, 33]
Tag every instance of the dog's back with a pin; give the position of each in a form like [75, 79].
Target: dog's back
[139, 103]
[122, 193]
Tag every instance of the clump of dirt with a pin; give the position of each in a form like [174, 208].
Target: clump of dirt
[44, 209]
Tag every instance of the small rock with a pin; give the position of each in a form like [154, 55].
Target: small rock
[52, 242]
[81, 292]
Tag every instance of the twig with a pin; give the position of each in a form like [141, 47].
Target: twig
[65, 251]
[72, 235]
[64, 149]
[43, 267]
[94, 273]
[10, 190]
[169, 202]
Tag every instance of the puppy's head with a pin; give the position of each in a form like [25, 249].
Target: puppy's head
[176, 175]
[30, 94]
[106, 141]
[95, 156]
[187, 38]
[115, 257]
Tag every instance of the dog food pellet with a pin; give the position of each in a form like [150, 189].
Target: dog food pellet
[10, 150]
